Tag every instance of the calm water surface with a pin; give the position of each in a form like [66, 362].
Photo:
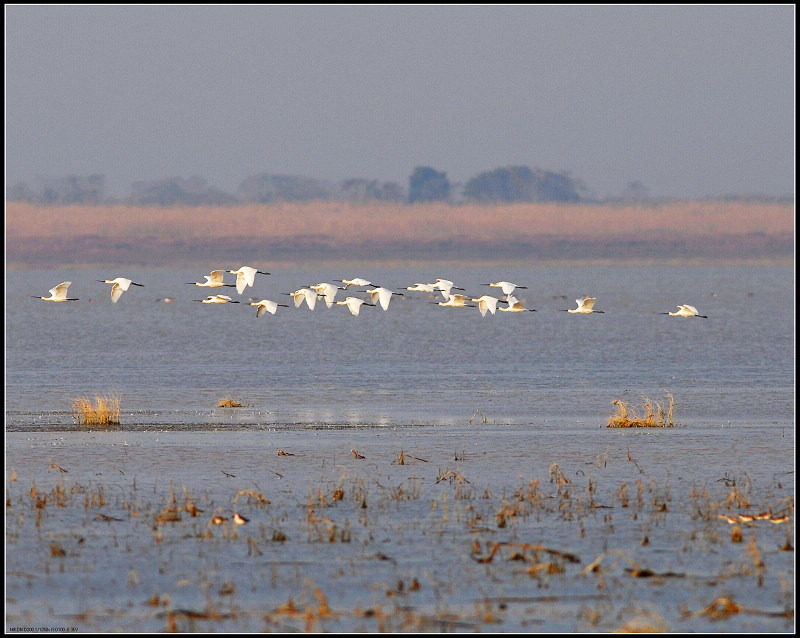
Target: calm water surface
[415, 364]
[412, 379]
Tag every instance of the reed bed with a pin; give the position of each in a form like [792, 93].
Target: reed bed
[341, 221]
[104, 412]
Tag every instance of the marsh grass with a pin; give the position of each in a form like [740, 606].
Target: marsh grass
[104, 412]
[653, 415]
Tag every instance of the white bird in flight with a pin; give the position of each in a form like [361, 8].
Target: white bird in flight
[487, 303]
[327, 292]
[265, 305]
[422, 287]
[217, 299]
[515, 305]
[445, 285]
[354, 304]
[685, 311]
[246, 276]
[382, 295]
[585, 306]
[120, 284]
[58, 293]
[506, 286]
[304, 294]
[358, 282]
[455, 301]
[214, 280]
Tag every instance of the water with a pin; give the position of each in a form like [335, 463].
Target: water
[416, 363]
[514, 406]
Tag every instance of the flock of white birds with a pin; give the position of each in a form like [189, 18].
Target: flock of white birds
[377, 295]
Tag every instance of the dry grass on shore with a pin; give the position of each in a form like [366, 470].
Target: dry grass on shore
[348, 222]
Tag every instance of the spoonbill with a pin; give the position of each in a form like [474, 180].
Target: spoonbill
[422, 287]
[304, 294]
[120, 284]
[246, 276]
[214, 280]
[382, 295]
[326, 291]
[445, 285]
[217, 299]
[685, 311]
[454, 301]
[58, 293]
[506, 286]
[354, 304]
[515, 305]
[585, 306]
[265, 305]
[486, 303]
[358, 282]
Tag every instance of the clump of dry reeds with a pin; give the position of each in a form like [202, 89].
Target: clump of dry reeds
[625, 417]
[105, 410]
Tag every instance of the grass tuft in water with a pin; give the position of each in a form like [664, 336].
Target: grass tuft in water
[652, 417]
[105, 410]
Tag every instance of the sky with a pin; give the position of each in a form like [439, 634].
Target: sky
[689, 101]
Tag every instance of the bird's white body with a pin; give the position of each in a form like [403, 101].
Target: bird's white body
[585, 306]
[422, 287]
[381, 295]
[354, 304]
[455, 301]
[246, 276]
[506, 286]
[218, 299]
[358, 282]
[59, 292]
[487, 303]
[119, 285]
[266, 305]
[214, 280]
[515, 305]
[304, 294]
[686, 310]
[327, 292]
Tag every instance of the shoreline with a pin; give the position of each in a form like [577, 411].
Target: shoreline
[695, 232]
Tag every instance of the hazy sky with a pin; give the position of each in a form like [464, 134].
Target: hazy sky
[689, 100]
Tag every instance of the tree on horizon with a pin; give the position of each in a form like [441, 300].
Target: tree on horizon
[428, 185]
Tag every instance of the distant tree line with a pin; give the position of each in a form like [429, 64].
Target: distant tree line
[502, 185]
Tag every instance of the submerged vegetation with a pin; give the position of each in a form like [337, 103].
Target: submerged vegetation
[625, 417]
[105, 410]
[343, 542]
